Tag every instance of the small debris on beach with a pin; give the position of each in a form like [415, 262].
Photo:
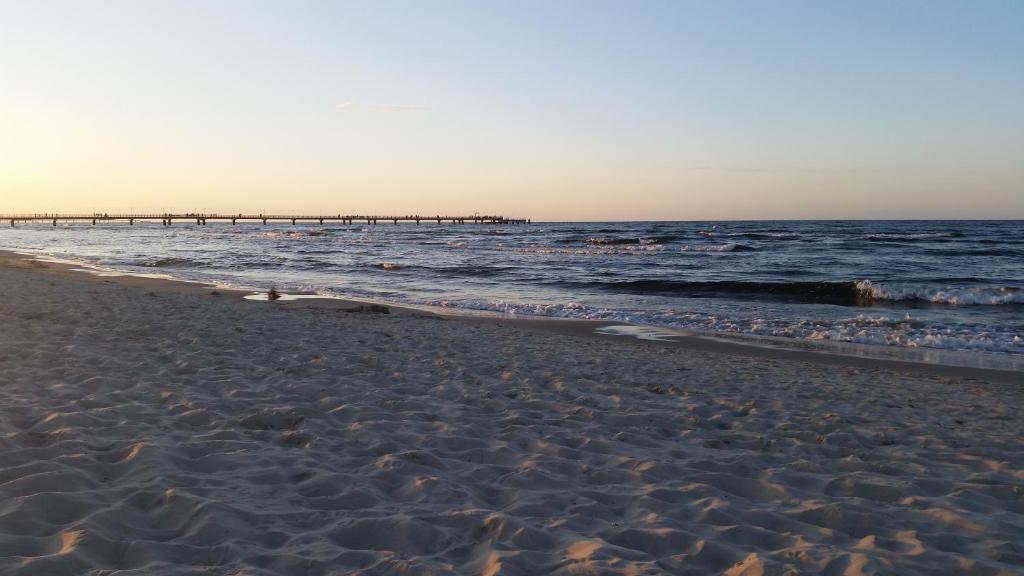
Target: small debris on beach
[272, 294]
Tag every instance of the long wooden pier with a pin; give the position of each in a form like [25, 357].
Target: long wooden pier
[202, 218]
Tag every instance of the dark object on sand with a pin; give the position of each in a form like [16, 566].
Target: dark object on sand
[214, 293]
[273, 295]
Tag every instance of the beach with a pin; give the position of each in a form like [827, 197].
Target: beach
[157, 427]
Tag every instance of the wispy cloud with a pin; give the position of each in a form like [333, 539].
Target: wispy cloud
[344, 105]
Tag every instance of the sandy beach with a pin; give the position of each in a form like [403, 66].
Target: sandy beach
[151, 427]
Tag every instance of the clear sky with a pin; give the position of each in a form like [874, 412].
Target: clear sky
[549, 109]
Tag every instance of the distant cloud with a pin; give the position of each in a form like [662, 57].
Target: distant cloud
[345, 104]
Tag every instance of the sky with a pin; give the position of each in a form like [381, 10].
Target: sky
[551, 110]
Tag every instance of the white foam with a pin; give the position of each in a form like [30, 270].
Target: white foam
[730, 247]
[593, 250]
[981, 296]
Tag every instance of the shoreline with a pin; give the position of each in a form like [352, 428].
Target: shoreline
[831, 353]
[760, 284]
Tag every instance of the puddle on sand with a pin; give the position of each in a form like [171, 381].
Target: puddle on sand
[930, 356]
[107, 274]
[641, 332]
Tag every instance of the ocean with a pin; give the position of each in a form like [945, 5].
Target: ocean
[926, 285]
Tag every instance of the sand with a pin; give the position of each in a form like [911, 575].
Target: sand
[154, 428]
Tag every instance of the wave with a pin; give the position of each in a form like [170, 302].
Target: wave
[730, 247]
[837, 292]
[886, 237]
[620, 250]
[974, 296]
[649, 240]
[974, 252]
[289, 234]
[170, 263]
[475, 270]
[1000, 241]
[457, 271]
[765, 235]
[601, 241]
[854, 293]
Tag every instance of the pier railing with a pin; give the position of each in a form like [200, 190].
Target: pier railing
[199, 218]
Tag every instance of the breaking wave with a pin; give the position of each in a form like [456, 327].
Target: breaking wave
[856, 293]
[974, 296]
[650, 240]
[730, 247]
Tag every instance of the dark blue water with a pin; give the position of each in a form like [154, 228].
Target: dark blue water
[953, 285]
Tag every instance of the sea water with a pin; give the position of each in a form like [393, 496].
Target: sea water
[947, 285]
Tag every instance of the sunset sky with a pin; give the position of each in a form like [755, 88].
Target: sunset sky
[550, 110]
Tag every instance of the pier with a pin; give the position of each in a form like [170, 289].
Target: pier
[202, 218]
